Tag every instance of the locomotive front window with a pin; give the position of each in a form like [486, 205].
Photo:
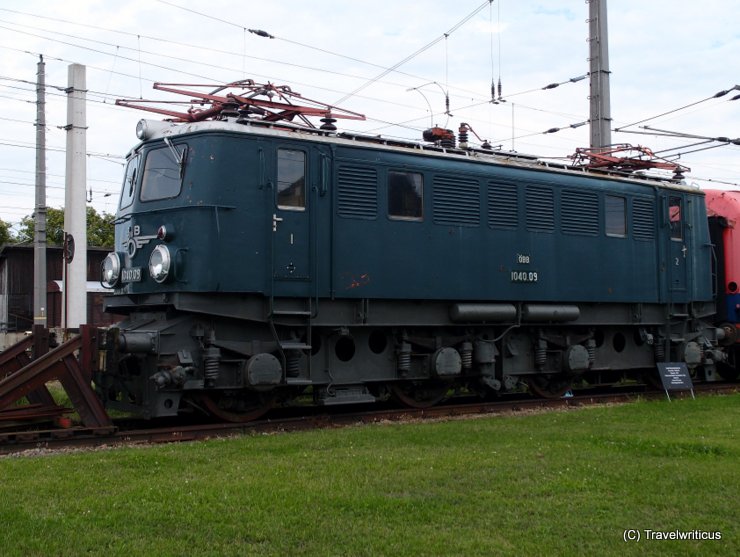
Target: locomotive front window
[129, 182]
[162, 176]
[616, 216]
[674, 214]
[405, 195]
[291, 179]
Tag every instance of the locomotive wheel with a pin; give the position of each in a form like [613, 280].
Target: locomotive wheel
[238, 409]
[420, 394]
[549, 386]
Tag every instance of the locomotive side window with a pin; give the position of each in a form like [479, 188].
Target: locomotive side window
[674, 214]
[291, 179]
[162, 176]
[405, 195]
[129, 183]
[616, 216]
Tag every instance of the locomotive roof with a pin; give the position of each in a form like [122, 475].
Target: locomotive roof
[157, 129]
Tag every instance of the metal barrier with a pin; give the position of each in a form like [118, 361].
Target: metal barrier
[70, 363]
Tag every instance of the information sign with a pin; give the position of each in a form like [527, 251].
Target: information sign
[675, 377]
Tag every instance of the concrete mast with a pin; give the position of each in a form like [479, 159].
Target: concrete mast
[599, 70]
[39, 230]
[75, 199]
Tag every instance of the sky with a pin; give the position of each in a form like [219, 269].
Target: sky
[666, 62]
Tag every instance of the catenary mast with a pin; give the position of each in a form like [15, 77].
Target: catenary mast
[39, 234]
[599, 70]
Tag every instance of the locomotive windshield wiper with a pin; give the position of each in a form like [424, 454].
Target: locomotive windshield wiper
[179, 156]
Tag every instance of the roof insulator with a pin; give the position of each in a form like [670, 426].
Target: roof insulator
[328, 124]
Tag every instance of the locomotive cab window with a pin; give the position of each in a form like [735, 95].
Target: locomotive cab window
[675, 218]
[405, 195]
[129, 182]
[616, 216]
[291, 179]
[163, 170]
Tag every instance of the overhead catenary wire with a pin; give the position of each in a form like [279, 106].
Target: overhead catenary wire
[674, 110]
[571, 80]
[414, 54]
[210, 64]
[388, 124]
[204, 47]
[158, 66]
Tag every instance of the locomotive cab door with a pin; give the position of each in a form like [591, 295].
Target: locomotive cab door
[678, 263]
[291, 232]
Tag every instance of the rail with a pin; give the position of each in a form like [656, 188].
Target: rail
[317, 418]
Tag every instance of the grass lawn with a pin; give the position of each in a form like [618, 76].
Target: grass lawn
[558, 483]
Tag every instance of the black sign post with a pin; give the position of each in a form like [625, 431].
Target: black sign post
[675, 377]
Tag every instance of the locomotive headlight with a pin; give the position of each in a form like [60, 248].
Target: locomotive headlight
[110, 270]
[160, 263]
[141, 130]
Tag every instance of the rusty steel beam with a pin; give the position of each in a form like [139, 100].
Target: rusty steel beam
[61, 364]
[32, 412]
[17, 357]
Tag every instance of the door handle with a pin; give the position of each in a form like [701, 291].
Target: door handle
[275, 220]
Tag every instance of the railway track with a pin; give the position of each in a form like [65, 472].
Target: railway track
[40, 439]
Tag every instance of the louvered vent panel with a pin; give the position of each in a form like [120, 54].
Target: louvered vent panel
[456, 202]
[357, 192]
[643, 219]
[579, 213]
[502, 205]
[540, 209]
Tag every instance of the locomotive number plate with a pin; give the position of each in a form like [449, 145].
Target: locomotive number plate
[524, 276]
[131, 275]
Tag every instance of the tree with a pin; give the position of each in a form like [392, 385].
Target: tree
[6, 234]
[100, 229]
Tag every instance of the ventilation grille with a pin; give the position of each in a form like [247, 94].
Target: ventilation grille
[456, 202]
[502, 205]
[579, 213]
[643, 219]
[357, 192]
[540, 209]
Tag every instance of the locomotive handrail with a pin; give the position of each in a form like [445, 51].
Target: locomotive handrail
[713, 270]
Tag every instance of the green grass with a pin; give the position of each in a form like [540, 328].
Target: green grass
[558, 483]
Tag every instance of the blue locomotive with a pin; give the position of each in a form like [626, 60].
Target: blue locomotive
[259, 260]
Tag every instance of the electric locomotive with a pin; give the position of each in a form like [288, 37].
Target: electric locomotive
[259, 260]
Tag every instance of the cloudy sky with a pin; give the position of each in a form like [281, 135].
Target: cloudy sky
[662, 58]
